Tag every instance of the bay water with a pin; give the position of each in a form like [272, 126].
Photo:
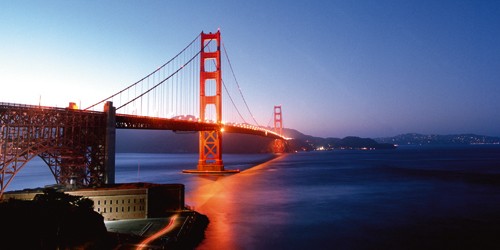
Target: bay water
[413, 197]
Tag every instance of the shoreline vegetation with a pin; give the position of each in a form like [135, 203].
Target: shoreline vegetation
[53, 220]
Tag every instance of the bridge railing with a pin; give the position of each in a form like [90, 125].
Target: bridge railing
[7, 105]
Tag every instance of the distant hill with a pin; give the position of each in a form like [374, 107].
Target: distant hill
[302, 142]
[420, 139]
[160, 141]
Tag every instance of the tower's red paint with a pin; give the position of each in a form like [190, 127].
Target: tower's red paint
[210, 141]
[278, 120]
[279, 145]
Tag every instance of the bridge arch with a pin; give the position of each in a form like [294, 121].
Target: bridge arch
[78, 145]
[73, 143]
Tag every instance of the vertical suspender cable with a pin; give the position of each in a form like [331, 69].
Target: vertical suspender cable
[232, 71]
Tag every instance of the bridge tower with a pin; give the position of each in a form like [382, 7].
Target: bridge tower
[279, 144]
[278, 122]
[210, 141]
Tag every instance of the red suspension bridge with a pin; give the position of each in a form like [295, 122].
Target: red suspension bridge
[184, 94]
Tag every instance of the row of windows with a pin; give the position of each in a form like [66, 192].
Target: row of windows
[117, 201]
[140, 208]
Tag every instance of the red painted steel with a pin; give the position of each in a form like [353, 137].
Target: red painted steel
[279, 144]
[278, 120]
[210, 141]
[72, 143]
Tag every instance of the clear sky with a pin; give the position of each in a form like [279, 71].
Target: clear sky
[338, 68]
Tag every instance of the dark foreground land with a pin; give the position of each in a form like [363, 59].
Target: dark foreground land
[60, 221]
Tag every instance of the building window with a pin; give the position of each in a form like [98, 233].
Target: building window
[110, 202]
[128, 209]
[98, 202]
[104, 202]
[104, 210]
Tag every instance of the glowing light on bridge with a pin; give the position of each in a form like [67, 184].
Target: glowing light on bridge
[72, 105]
[169, 98]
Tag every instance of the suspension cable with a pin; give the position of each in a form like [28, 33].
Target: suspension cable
[239, 89]
[230, 97]
[272, 117]
[159, 68]
[158, 84]
[234, 105]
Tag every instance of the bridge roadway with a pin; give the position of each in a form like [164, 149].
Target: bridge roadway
[78, 145]
[124, 121]
[145, 122]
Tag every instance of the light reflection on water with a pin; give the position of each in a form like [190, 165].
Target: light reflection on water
[135, 167]
[223, 199]
[411, 198]
[357, 200]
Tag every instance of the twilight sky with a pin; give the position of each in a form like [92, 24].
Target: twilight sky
[338, 68]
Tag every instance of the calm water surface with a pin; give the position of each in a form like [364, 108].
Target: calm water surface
[410, 198]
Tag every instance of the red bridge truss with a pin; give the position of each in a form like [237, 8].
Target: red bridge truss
[75, 144]
[79, 145]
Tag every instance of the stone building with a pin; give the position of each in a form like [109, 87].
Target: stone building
[124, 201]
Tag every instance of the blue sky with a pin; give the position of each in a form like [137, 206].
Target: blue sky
[338, 68]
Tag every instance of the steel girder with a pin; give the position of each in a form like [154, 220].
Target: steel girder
[70, 141]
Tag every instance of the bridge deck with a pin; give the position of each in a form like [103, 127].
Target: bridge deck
[145, 122]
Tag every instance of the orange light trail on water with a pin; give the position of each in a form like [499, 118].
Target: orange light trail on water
[155, 236]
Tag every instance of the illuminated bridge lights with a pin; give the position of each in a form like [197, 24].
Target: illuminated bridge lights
[50, 131]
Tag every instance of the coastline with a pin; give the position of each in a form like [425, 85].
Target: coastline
[178, 230]
[186, 235]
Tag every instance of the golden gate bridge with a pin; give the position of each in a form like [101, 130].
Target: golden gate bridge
[184, 94]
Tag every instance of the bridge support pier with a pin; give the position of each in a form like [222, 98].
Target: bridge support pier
[210, 151]
[110, 147]
[279, 146]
